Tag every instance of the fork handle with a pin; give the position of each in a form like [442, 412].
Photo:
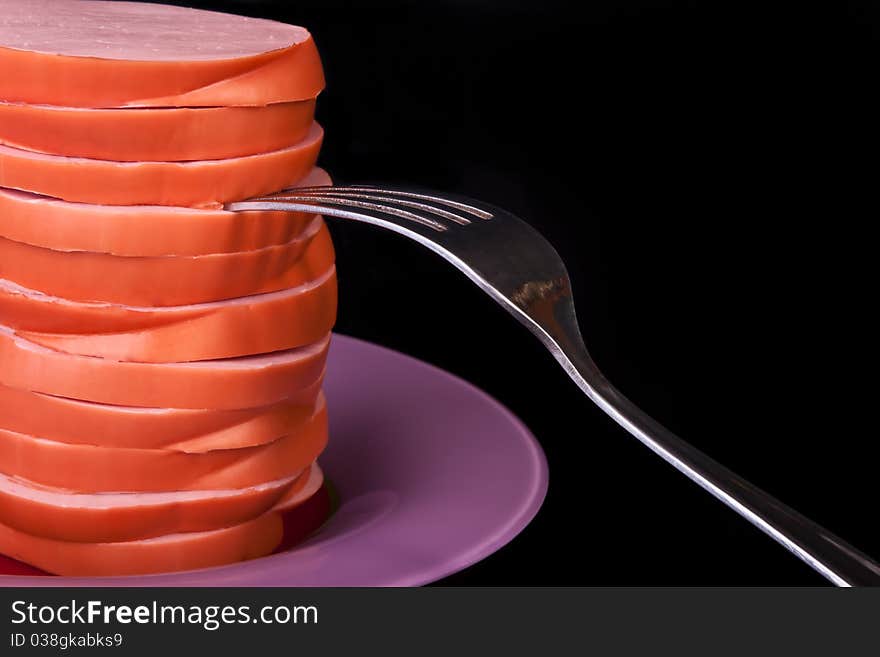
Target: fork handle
[829, 555]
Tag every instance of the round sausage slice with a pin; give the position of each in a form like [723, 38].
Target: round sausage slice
[229, 383]
[169, 134]
[90, 469]
[145, 230]
[226, 329]
[112, 517]
[199, 183]
[168, 280]
[83, 53]
[193, 431]
[163, 554]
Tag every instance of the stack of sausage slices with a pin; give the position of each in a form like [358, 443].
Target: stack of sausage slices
[161, 359]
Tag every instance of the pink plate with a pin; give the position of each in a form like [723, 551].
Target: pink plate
[432, 475]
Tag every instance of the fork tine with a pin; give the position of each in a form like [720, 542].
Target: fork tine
[352, 203]
[332, 193]
[464, 207]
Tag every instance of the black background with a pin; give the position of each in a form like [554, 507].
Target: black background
[706, 171]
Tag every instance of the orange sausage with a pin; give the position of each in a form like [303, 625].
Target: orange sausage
[176, 551]
[198, 183]
[110, 517]
[145, 230]
[239, 327]
[218, 384]
[137, 432]
[90, 469]
[105, 425]
[24, 309]
[114, 54]
[173, 552]
[169, 134]
[168, 280]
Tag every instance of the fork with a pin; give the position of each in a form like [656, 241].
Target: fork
[516, 266]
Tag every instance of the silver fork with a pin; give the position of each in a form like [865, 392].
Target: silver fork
[520, 270]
